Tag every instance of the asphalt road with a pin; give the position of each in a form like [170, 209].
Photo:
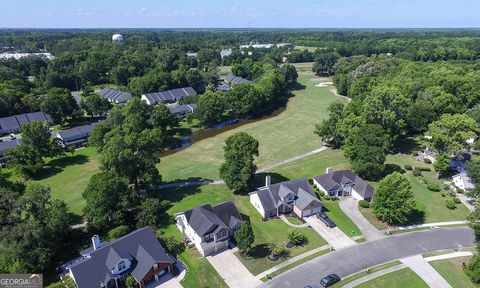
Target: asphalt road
[356, 258]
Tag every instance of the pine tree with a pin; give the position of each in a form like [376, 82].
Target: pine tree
[245, 237]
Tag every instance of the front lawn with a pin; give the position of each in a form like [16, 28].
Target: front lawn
[273, 230]
[365, 273]
[452, 270]
[340, 219]
[404, 278]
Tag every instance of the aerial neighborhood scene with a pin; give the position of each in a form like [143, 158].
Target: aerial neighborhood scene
[210, 144]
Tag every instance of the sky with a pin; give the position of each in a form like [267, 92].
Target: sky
[239, 14]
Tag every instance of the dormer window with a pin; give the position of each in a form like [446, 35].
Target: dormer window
[289, 198]
[207, 238]
[121, 265]
[222, 234]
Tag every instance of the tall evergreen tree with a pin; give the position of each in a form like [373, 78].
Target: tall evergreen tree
[245, 237]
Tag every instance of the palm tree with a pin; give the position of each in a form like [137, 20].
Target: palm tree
[272, 246]
[294, 238]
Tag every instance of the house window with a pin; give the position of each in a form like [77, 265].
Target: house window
[155, 267]
[121, 266]
[222, 234]
[207, 238]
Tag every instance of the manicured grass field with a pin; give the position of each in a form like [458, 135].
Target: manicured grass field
[364, 273]
[404, 278]
[68, 176]
[286, 135]
[452, 271]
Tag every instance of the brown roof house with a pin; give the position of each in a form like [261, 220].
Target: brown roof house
[285, 197]
[343, 183]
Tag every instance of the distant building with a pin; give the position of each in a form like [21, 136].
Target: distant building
[117, 38]
[115, 96]
[286, 45]
[18, 56]
[256, 46]
[225, 52]
[180, 110]
[12, 124]
[192, 54]
[343, 183]
[6, 145]
[231, 79]
[76, 136]
[222, 87]
[169, 96]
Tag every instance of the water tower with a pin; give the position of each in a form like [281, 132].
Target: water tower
[117, 38]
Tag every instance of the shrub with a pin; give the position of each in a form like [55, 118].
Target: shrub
[364, 204]
[172, 245]
[450, 204]
[310, 181]
[423, 180]
[460, 190]
[327, 197]
[424, 168]
[433, 187]
[415, 153]
[427, 160]
[334, 198]
[417, 172]
[118, 232]
[444, 194]
[473, 269]
[408, 167]
[452, 193]
[456, 200]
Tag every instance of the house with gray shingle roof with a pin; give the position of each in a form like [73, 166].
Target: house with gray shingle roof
[139, 254]
[210, 228]
[231, 79]
[169, 96]
[12, 124]
[286, 197]
[343, 183]
[115, 96]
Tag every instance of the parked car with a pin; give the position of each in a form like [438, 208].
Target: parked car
[329, 222]
[329, 280]
[311, 286]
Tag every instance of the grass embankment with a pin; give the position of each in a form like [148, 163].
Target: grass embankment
[404, 278]
[452, 271]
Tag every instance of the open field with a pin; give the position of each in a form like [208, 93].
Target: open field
[404, 278]
[281, 137]
[451, 270]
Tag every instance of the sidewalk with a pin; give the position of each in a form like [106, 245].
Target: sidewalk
[349, 206]
[291, 260]
[425, 271]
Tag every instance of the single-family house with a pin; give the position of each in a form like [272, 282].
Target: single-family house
[343, 183]
[223, 87]
[168, 96]
[231, 79]
[11, 124]
[285, 197]
[139, 254]
[76, 136]
[210, 228]
[462, 181]
[115, 96]
[180, 110]
[225, 52]
[6, 145]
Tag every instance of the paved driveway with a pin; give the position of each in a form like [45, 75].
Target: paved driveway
[425, 271]
[358, 257]
[334, 236]
[232, 270]
[349, 206]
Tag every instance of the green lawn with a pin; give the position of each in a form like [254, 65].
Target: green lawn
[404, 278]
[364, 273]
[288, 134]
[273, 230]
[342, 220]
[295, 264]
[68, 176]
[452, 271]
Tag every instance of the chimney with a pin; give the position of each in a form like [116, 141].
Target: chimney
[329, 170]
[96, 242]
[268, 180]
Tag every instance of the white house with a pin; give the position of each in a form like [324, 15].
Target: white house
[210, 228]
[462, 181]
